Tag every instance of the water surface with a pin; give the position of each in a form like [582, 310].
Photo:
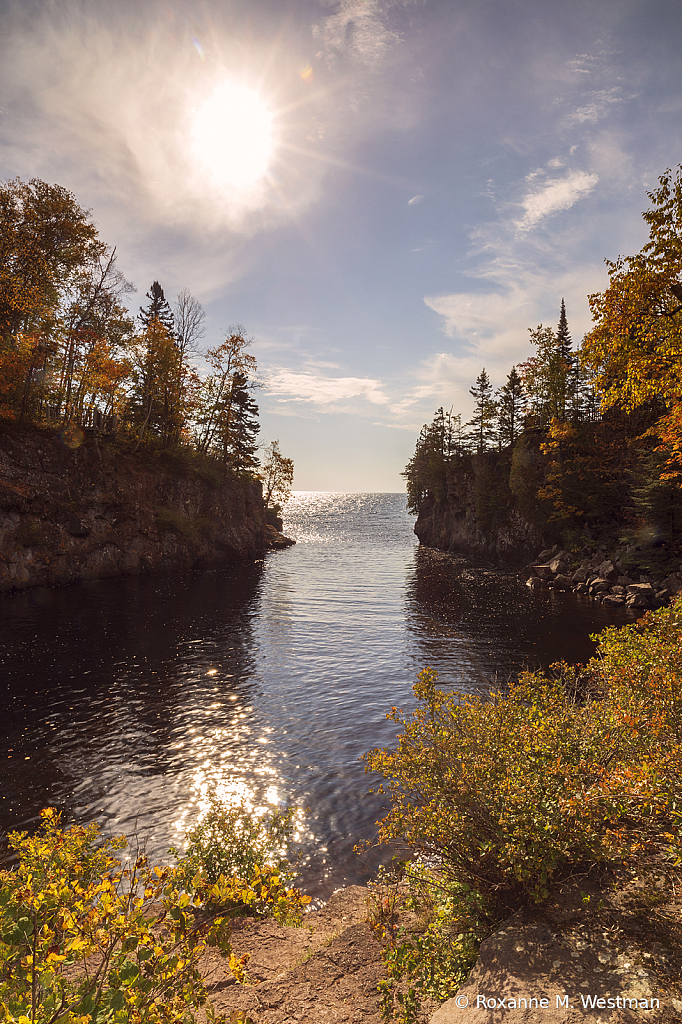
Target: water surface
[127, 700]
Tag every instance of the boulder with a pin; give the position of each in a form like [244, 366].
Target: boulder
[640, 590]
[613, 599]
[535, 583]
[638, 601]
[543, 571]
[561, 582]
[673, 583]
[581, 588]
[608, 571]
[599, 586]
[580, 575]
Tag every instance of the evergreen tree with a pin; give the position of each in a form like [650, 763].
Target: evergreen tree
[243, 443]
[485, 411]
[510, 404]
[438, 444]
[563, 338]
[157, 309]
[547, 375]
[154, 409]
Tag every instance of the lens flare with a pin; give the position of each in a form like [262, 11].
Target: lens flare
[232, 136]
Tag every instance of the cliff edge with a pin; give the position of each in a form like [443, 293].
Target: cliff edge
[76, 511]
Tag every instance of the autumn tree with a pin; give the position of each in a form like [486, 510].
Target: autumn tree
[214, 417]
[485, 413]
[58, 284]
[635, 346]
[45, 237]
[166, 392]
[277, 473]
[89, 364]
[153, 411]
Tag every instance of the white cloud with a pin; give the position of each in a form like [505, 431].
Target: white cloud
[304, 386]
[598, 105]
[555, 195]
[414, 199]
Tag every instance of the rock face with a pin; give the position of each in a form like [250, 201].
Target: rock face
[70, 514]
[602, 955]
[477, 515]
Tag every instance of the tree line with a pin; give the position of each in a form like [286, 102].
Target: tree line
[72, 356]
[589, 433]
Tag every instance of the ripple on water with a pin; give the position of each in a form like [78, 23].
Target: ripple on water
[132, 698]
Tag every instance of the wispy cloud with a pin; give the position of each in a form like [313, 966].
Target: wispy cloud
[598, 105]
[304, 386]
[414, 200]
[555, 195]
[357, 30]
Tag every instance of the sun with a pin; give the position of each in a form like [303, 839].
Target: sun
[232, 136]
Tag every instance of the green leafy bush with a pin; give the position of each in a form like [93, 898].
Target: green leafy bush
[236, 860]
[434, 958]
[572, 769]
[506, 796]
[83, 941]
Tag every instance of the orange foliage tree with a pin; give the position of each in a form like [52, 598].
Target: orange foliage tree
[636, 343]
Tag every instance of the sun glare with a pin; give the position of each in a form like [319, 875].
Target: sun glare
[232, 136]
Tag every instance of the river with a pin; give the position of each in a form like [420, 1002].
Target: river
[128, 700]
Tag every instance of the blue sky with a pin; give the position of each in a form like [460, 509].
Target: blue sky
[439, 175]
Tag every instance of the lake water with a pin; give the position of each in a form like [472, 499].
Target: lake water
[128, 700]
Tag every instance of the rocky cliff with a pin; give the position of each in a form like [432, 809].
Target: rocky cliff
[85, 510]
[477, 514]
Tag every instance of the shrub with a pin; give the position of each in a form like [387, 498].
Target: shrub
[82, 940]
[434, 959]
[234, 860]
[512, 792]
[506, 795]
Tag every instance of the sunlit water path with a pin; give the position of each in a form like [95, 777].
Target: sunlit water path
[126, 700]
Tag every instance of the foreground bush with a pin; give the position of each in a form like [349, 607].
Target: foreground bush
[234, 860]
[505, 796]
[82, 940]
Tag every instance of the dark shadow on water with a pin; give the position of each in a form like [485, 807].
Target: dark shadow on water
[98, 677]
[492, 624]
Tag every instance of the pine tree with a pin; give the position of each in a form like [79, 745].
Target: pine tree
[243, 443]
[485, 411]
[438, 444]
[563, 338]
[510, 403]
[157, 309]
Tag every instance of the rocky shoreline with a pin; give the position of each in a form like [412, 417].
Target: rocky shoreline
[598, 937]
[602, 579]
